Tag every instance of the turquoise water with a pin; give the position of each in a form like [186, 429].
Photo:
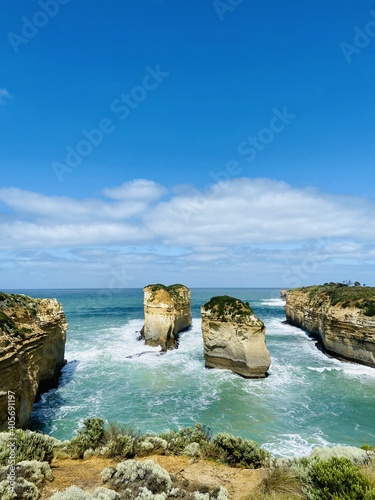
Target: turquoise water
[308, 400]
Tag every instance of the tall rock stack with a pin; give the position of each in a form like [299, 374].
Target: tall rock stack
[167, 313]
[234, 337]
[32, 346]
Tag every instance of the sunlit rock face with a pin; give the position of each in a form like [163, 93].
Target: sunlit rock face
[234, 337]
[344, 323]
[32, 346]
[167, 313]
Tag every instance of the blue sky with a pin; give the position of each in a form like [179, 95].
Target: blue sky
[233, 143]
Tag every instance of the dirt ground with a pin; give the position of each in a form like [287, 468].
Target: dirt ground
[86, 474]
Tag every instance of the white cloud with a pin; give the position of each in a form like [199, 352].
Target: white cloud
[228, 216]
[64, 208]
[4, 96]
[139, 189]
[256, 211]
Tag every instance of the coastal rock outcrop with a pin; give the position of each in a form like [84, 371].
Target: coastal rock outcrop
[32, 346]
[234, 337]
[283, 294]
[342, 318]
[167, 313]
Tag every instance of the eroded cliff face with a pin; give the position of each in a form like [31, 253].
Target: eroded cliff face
[234, 338]
[343, 328]
[32, 346]
[167, 312]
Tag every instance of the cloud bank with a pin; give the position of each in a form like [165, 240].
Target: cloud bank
[233, 227]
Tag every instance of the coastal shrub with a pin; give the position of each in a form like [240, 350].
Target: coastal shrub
[142, 480]
[29, 446]
[241, 452]
[35, 472]
[134, 474]
[75, 493]
[192, 450]
[367, 447]
[122, 446]
[178, 440]
[356, 455]
[91, 436]
[22, 489]
[151, 444]
[337, 479]
[121, 442]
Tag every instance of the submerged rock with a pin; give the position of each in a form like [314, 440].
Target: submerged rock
[342, 318]
[167, 312]
[234, 337]
[32, 346]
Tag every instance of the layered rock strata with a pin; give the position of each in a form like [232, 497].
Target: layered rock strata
[167, 313]
[32, 346]
[342, 319]
[234, 337]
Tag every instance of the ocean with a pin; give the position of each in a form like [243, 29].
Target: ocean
[308, 400]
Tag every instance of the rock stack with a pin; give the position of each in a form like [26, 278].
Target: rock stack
[234, 337]
[167, 313]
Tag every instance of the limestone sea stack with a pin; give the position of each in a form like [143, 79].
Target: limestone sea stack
[32, 346]
[341, 317]
[234, 337]
[167, 313]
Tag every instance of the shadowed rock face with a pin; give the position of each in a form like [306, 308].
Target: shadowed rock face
[167, 312]
[343, 328]
[234, 338]
[32, 346]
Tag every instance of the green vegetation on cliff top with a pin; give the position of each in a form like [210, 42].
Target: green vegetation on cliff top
[362, 297]
[224, 306]
[173, 290]
[11, 301]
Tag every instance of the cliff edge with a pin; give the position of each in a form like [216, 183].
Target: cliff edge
[234, 337]
[167, 312]
[342, 317]
[32, 346]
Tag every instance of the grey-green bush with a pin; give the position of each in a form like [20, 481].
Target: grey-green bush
[29, 446]
[22, 489]
[91, 436]
[240, 452]
[75, 493]
[337, 479]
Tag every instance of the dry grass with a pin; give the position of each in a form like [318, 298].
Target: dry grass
[279, 484]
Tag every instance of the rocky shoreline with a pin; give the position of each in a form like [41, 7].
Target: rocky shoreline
[32, 341]
[339, 317]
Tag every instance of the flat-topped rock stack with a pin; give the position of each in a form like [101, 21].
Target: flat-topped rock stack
[234, 337]
[167, 313]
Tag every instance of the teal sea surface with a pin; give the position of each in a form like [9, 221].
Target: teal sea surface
[308, 400]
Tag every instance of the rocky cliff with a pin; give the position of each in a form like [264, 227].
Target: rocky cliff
[342, 318]
[167, 312]
[234, 337]
[32, 345]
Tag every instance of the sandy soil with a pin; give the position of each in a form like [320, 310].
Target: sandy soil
[86, 474]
